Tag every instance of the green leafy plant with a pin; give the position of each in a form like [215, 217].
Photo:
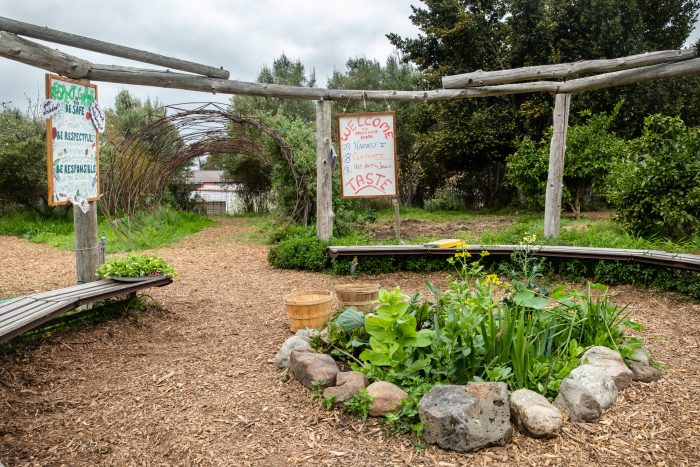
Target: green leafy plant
[133, 265]
[393, 335]
[317, 388]
[359, 404]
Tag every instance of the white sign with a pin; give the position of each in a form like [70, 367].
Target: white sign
[368, 155]
[72, 143]
[97, 116]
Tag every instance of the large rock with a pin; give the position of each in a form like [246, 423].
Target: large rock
[347, 384]
[598, 383]
[640, 356]
[644, 373]
[577, 401]
[386, 397]
[534, 415]
[307, 334]
[466, 418]
[283, 354]
[309, 366]
[611, 363]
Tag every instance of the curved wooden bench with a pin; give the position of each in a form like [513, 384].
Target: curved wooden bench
[22, 314]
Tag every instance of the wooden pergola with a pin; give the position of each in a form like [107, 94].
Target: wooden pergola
[546, 78]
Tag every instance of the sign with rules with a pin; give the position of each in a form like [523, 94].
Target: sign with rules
[367, 143]
[72, 140]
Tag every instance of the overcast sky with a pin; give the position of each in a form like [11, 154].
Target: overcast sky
[240, 35]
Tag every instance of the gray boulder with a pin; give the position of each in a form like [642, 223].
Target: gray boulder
[309, 366]
[534, 415]
[577, 401]
[598, 383]
[347, 384]
[386, 397]
[644, 373]
[640, 356]
[283, 354]
[466, 418]
[611, 363]
[307, 334]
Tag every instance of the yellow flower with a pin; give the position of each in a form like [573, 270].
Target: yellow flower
[485, 253]
[493, 279]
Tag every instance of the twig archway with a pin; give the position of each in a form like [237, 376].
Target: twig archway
[138, 168]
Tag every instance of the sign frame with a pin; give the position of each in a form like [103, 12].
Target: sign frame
[341, 153]
[50, 146]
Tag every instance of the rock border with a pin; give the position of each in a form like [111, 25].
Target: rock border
[478, 415]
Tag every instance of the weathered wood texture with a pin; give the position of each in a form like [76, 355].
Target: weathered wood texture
[22, 50]
[22, 314]
[87, 248]
[555, 174]
[652, 257]
[73, 40]
[564, 70]
[38, 55]
[324, 172]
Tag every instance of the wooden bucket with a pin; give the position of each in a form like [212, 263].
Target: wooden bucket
[308, 309]
[358, 295]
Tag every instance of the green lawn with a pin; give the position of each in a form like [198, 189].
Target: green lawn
[153, 230]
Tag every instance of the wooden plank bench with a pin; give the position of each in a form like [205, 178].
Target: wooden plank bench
[22, 314]
[653, 257]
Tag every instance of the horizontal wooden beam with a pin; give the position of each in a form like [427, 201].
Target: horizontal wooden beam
[32, 53]
[635, 75]
[564, 70]
[27, 52]
[81, 42]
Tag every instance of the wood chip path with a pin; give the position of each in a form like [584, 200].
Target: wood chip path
[194, 384]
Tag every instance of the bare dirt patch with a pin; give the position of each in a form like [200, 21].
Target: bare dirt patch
[445, 229]
[195, 385]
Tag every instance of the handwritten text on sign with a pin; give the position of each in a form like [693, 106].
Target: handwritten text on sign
[72, 142]
[367, 155]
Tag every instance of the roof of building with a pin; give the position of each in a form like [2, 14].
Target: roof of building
[198, 177]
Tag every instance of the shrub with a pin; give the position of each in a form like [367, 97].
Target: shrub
[445, 199]
[302, 252]
[656, 189]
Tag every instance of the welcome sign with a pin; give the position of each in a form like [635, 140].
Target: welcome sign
[72, 141]
[367, 144]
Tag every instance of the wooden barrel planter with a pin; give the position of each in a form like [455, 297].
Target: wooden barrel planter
[308, 309]
[359, 295]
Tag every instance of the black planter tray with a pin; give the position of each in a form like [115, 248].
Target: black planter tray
[137, 279]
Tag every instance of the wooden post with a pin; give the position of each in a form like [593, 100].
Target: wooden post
[555, 175]
[87, 252]
[324, 172]
[397, 218]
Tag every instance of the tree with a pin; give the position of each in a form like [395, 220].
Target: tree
[468, 140]
[23, 176]
[656, 187]
[591, 149]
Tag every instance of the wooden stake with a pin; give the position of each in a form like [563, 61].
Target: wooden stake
[87, 251]
[555, 177]
[397, 218]
[324, 172]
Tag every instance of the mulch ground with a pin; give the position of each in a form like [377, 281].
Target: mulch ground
[194, 384]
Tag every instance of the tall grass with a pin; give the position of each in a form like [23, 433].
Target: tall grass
[587, 232]
[155, 229]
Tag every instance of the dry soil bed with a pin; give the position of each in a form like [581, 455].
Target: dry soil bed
[194, 385]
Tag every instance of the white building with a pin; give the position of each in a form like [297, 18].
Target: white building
[218, 197]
